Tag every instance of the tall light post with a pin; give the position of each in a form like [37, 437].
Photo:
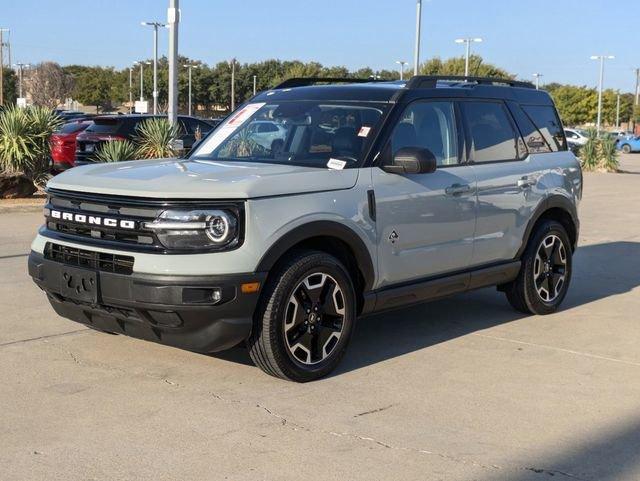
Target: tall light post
[467, 42]
[255, 79]
[618, 110]
[131, 87]
[537, 76]
[173, 19]
[2, 30]
[402, 63]
[416, 52]
[189, 67]
[602, 58]
[142, 64]
[155, 26]
[232, 64]
[21, 66]
[637, 92]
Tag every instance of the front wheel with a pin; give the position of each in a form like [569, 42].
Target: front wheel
[626, 148]
[305, 319]
[545, 273]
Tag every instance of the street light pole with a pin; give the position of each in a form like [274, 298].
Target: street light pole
[618, 111]
[21, 66]
[402, 63]
[467, 42]
[130, 89]
[173, 19]
[190, 66]
[637, 92]
[537, 76]
[232, 64]
[602, 58]
[2, 30]
[254, 84]
[155, 26]
[416, 53]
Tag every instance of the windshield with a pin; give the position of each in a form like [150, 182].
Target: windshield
[306, 133]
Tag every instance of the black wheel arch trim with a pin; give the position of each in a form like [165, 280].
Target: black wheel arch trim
[322, 229]
[555, 201]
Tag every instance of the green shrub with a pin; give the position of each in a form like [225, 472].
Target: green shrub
[116, 151]
[609, 154]
[155, 138]
[24, 140]
[589, 151]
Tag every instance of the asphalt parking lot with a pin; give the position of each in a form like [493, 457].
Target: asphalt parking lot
[460, 389]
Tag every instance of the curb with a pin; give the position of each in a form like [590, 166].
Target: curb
[35, 206]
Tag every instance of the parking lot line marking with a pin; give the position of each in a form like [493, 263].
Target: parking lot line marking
[62, 334]
[568, 351]
[13, 256]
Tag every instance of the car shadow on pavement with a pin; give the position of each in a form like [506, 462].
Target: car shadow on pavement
[611, 453]
[600, 271]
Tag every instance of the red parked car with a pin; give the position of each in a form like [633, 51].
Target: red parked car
[63, 144]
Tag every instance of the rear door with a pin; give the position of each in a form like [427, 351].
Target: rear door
[507, 177]
[425, 222]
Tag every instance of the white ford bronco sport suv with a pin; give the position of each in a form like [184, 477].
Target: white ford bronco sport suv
[367, 196]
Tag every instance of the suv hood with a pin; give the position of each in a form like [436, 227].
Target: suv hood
[200, 179]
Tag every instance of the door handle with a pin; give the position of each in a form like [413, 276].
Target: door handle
[525, 182]
[457, 189]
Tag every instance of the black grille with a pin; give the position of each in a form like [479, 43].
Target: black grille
[101, 261]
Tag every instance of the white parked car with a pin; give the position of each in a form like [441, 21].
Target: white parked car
[576, 136]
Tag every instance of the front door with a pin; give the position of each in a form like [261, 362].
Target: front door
[425, 222]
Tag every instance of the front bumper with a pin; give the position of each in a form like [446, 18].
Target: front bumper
[172, 310]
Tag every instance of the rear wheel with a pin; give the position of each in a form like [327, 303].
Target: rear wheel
[626, 148]
[545, 273]
[306, 318]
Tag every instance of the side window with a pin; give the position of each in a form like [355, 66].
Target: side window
[429, 125]
[548, 123]
[493, 137]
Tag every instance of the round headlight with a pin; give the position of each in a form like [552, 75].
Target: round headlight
[218, 227]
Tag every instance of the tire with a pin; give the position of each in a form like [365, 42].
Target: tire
[545, 274]
[305, 317]
[626, 148]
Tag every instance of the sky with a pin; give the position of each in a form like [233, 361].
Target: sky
[552, 37]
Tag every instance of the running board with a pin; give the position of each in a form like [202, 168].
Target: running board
[427, 290]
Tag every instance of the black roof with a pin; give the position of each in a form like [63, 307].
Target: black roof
[417, 87]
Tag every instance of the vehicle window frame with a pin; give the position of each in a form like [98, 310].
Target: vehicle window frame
[558, 119]
[461, 146]
[514, 127]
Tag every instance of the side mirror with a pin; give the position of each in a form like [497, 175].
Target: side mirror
[412, 160]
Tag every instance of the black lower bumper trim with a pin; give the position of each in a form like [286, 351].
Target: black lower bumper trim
[175, 310]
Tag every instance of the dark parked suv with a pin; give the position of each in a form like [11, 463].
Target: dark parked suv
[358, 198]
[120, 127]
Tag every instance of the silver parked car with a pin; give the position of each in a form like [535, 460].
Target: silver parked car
[372, 196]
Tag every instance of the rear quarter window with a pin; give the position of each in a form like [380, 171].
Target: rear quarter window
[548, 123]
[104, 126]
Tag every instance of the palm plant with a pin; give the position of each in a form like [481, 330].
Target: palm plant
[24, 139]
[609, 154]
[155, 138]
[589, 151]
[116, 151]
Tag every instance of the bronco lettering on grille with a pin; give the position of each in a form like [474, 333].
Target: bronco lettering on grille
[93, 220]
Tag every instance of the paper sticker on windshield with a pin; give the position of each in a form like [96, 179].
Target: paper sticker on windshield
[336, 164]
[364, 131]
[223, 132]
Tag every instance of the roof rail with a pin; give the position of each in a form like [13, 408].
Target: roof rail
[304, 81]
[430, 81]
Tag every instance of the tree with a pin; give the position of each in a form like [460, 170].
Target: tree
[455, 66]
[99, 86]
[9, 86]
[49, 85]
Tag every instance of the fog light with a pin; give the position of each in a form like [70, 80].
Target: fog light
[216, 295]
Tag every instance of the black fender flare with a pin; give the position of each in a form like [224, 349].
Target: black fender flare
[322, 229]
[555, 201]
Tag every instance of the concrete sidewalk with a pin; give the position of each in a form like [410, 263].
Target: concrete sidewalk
[460, 389]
